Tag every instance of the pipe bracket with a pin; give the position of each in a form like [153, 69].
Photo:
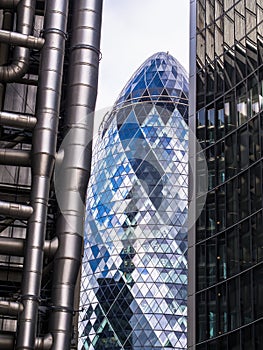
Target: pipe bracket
[87, 47]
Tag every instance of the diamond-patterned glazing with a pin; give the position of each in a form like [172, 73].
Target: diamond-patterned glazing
[134, 276]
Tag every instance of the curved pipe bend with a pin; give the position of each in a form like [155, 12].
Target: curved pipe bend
[7, 342]
[19, 66]
[44, 343]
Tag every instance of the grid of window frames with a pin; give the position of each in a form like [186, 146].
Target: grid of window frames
[229, 234]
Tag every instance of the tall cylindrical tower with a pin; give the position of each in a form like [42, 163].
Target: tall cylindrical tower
[134, 278]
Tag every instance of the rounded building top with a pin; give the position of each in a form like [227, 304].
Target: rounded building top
[160, 77]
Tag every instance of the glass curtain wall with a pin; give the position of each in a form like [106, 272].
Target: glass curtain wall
[228, 75]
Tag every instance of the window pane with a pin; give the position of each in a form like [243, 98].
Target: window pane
[233, 304]
[258, 335]
[247, 338]
[245, 245]
[246, 298]
[211, 262]
[212, 313]
[201, 266]
[257, 234]
[234, 341]
[201, 317]
[222, 308]
[258, 291]
[232, 252]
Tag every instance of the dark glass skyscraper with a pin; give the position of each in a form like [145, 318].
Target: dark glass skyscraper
[134, 278]
[226, 245]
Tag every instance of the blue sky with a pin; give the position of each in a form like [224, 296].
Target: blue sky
[133, 30]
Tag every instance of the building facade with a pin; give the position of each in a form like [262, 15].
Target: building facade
[226, 244]
[134, 276]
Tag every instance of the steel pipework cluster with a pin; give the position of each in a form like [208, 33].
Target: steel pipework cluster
[54, 223]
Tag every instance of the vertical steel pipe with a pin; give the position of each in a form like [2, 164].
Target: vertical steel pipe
[7, 25]
[72, 184]
[43, 158]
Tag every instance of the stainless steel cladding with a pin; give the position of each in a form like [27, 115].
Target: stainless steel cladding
[55, 43]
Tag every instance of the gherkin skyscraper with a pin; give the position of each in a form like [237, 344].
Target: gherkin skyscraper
[134, 277]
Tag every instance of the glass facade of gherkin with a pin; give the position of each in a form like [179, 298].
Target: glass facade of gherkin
[134, 276]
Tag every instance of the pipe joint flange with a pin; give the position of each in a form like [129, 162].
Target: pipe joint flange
[68, 310]
[30, 297]
[54, 31]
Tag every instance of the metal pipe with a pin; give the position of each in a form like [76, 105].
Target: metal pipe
[7, 342]
[15, 210]
[19, 66]
[15, 157]
[17, 120]
[16, 246]
[43, 158]
[8, 4]
[50, 247]
[44, 343]
[17, 39]
[72, 184]
[10, 308]
[8, 19]
[12, 246]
